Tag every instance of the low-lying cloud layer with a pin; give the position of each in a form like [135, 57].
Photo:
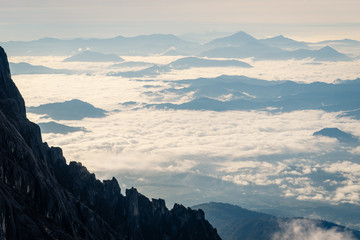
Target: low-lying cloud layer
[300, 229]
[244, 148]
[254, 157]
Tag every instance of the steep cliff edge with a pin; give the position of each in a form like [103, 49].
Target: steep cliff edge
[42, 197]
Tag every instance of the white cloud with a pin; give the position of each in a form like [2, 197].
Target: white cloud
[344, 167]
[349, 189]
[246, 149]
[355, 150]
[162, 133]
[300, 229]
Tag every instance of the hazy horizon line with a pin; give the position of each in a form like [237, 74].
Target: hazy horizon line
[214, 33]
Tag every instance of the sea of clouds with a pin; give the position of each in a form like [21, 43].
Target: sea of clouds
[242, 157]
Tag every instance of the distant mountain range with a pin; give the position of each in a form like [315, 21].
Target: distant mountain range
[242, 45]
[255, 94]
[260, 51]
[181, 64]
[139, 45]
[238, 45]
[236, 223]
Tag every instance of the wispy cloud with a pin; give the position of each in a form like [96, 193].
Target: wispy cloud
[300, 229]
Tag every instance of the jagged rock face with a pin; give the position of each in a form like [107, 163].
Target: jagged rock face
[42, 197]
[33, 205]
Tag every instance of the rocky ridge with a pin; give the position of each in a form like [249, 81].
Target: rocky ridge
[43, 197]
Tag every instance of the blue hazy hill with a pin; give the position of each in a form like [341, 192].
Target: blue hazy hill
[26, 68]
[189, 62]
[147, 72]
[324, 54]
[153, 44]
[90, 56]
[236, 40]
[341, 43]
[284, 43]
[250, 49]
[69, 110]
[138, 45]
[338, 134]
[54, 127]
[181, 64]
[260, 51]
[255, 94]
[131, 64]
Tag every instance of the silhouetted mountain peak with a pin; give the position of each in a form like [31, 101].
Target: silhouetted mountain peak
[328, 49]
[284, 43]
[282, 38]
[9, 94]
[329, 53]
[336, 133]
[242, 35]
[237, 39]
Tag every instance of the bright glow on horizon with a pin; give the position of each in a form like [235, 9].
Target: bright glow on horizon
[34, 19]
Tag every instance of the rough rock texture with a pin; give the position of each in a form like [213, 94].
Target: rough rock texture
[42, 197]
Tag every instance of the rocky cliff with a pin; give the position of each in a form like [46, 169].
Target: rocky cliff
[43, 197]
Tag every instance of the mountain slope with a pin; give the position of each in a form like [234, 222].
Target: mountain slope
[42, 197]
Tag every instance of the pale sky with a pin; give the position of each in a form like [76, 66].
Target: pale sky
[33, 19]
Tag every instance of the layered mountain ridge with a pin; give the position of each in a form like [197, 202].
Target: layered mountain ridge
[237, 45]
[43, 197]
